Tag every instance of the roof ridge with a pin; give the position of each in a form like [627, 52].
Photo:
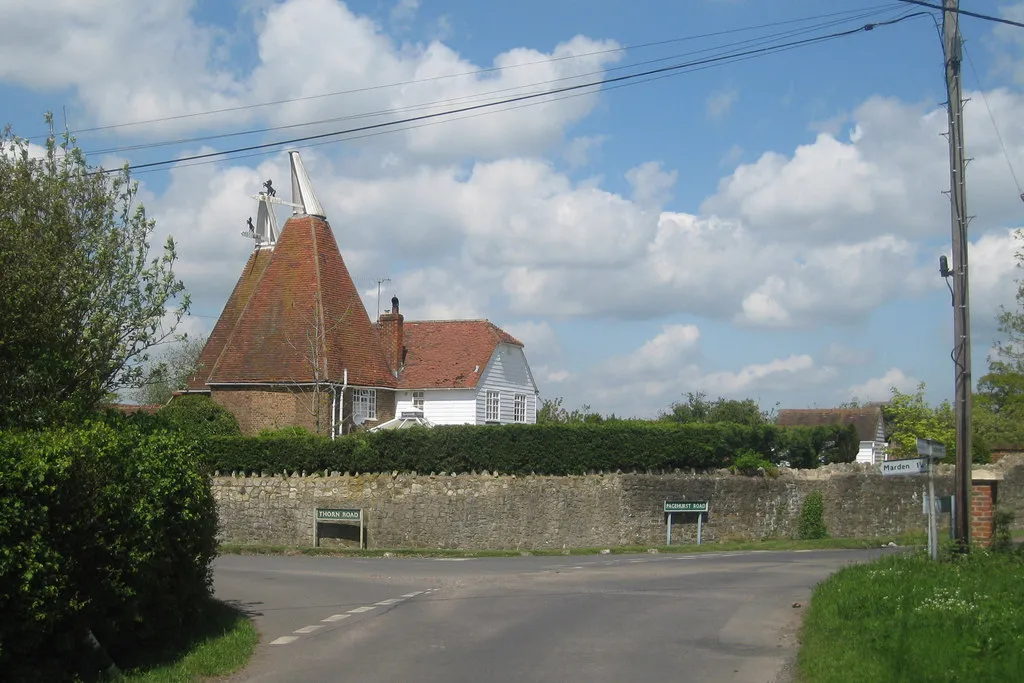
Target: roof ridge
[318, 294]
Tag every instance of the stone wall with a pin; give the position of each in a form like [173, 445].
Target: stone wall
[475, 511]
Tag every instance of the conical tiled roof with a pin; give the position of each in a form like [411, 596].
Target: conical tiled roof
[304, 314]
[244, 288]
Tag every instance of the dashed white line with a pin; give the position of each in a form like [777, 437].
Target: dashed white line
[389, 601]
[336, 617]
[360, 610]
[412, 595]
[284, 640]
[309, 629]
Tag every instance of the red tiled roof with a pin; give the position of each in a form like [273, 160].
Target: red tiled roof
[865, 420]
[279, 325]
[244, 288]
[450, 354]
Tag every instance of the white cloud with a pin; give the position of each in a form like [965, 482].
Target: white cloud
[403, 12]
[579, 150]
[720, 103]
[879, 388]
[652, 186]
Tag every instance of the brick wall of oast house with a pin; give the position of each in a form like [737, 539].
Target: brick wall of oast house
[259, 408]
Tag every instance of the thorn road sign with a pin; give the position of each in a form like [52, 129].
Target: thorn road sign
[912, 466]
[930, 448]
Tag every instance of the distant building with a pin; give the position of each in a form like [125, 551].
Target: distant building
[869, 422]
[294, 344]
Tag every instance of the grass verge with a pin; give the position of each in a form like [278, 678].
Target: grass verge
[222, 642]
[907, 618]
[774, 544]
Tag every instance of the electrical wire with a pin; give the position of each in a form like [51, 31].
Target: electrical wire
[966, 13]
[476, 72]
[592, 84]
[475, 97]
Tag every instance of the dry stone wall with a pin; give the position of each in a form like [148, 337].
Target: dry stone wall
[475, 511]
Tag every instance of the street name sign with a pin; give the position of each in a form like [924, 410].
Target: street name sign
[686, 506]
[338, 515]
[910, 466]
[335, 516]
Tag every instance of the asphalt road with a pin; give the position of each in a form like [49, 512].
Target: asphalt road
[706, 617]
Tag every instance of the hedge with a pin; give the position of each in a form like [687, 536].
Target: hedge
[555, 449]
[106, 529]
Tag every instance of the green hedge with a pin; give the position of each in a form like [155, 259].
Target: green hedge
[553, 449]
[109, 529]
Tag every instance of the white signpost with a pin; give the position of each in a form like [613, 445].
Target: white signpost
[930, 452]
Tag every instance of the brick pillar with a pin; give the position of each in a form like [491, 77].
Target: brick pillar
[983, 504]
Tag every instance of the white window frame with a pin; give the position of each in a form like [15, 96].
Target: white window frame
[417, 400]
[364, 403]
[519, 408]
[495, 415]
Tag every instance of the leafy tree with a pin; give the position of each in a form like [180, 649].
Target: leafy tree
[81, 301]
[999, 403]
[171, 372]
[698, 408]
[552, 412]
[909, 417]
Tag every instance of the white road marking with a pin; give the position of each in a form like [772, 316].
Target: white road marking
[360, 610]
[309, 629]
[336, 617]
[284, 640]
[412, 595]
[389, 601]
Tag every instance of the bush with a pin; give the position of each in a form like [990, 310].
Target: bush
[199, 416]
[751, 463]
[808, 447]
[551, 449]
[812, 517]
[1002, 538]
[108, 530]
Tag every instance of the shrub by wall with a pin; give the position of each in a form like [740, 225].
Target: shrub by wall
[551, 449]
[199, 416]
[108, 530]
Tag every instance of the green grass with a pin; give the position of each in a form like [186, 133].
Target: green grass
[222, 642]
[907, 618]
[774, 544]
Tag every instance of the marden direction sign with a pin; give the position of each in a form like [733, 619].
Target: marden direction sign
[911, 466]
[686, 506]
[338, 515]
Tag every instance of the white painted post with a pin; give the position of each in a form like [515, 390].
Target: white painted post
[668, 528]
[360, 528]
[700, 523]
[316, 535]
[933, 530]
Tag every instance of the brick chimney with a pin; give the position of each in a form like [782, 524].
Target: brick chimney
[390, 325]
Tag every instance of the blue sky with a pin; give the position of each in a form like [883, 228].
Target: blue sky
[767, 228]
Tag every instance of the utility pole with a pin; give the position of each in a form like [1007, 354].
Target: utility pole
[961, 298]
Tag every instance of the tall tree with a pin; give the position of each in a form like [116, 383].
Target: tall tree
[171, 371]
[81, 300]
[698, 408]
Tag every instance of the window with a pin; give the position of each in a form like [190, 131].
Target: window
[493, 406]
[417, 400]
[519, 414]
[364, 404]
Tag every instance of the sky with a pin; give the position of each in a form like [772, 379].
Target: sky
[765, 226]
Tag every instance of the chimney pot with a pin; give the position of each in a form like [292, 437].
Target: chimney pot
[394, 304]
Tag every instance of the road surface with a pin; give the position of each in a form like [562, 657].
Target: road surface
[702, 617]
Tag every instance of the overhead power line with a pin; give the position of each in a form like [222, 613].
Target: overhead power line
[474, 98]
[532, 96]
[477, 72]
[966, 13]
